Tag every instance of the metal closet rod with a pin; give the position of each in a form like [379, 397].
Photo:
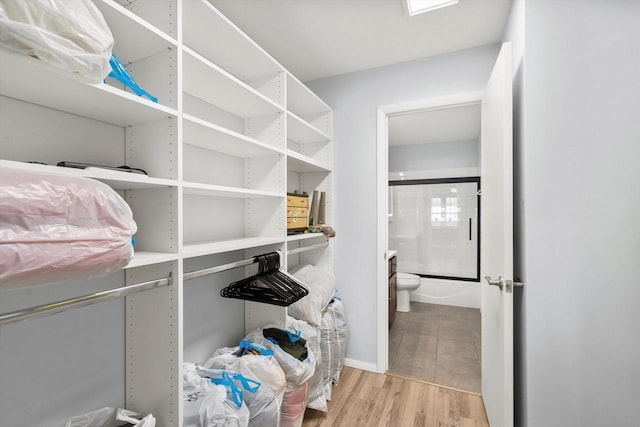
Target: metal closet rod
[223, 267]
[68, 304]
[307, 248]
[218, 269]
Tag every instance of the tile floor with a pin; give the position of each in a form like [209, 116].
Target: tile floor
[438, 344]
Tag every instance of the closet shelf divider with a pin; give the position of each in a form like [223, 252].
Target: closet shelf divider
[142, 258]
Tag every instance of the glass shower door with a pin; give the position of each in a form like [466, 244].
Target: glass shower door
[434, 226]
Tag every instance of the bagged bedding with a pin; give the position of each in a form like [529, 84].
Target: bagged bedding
[255, 362]
[210, 405]
[55, 227]
[71, 35]
[297, 361]
[321, 289]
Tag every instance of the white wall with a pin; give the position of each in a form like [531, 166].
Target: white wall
[440, 155]
[354, 98]
[578, 245]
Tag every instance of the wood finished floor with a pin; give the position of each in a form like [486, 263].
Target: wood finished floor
[368, 399]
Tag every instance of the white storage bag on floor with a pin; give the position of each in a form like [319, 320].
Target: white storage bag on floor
[263, 403]
[317, 399]
[263, 366]
[336, 308]
[207, 404]
[329, 350]
[321, 289]
[296, 372]
[294, 405]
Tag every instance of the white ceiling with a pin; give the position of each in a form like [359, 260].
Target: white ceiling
[441, 125]
[321, 38]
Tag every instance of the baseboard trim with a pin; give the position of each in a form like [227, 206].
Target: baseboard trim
[365, 366]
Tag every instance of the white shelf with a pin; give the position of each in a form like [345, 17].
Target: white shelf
[302, 101]
[114, 179]
[207, 248]
[147, 258]
[297, 162]
[207, 135]
[300, 131]
[218, 39]
[229, 124]
[31, 80]
[306, 236]
[134, 37]
[197, 189]
[208, 82]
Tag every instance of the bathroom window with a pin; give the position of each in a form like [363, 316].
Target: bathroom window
[444, 212]
[435, 227]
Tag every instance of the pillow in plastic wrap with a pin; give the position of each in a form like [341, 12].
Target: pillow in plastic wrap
[55, 227]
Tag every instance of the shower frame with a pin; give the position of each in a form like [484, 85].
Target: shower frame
[456, 180]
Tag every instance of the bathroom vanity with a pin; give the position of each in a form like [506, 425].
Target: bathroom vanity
[393, 281]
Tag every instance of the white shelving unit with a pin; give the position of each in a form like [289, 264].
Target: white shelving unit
[232, 133]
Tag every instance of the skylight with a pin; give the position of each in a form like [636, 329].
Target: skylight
[421, 6]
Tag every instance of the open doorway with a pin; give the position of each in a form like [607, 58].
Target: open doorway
[432, 211]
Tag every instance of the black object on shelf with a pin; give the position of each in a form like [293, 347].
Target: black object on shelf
[78, 165]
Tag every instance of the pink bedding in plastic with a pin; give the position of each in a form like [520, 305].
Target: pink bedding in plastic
[56, 228]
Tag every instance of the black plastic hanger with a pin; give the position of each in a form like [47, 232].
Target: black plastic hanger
[270, 285]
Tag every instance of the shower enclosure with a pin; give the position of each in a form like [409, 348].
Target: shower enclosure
[434, 225]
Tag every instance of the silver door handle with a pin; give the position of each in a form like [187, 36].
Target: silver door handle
[497, 283]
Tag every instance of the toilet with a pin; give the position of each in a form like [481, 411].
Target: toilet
[406, 283]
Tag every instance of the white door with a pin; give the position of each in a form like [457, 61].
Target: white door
[496, 239]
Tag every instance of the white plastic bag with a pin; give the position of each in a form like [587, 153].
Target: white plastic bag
[294, 404]
[70, 35]
[329, 350]
[111, 417]
[55, 227]
[265, 369]
[317, 399]
[321, 289]
[297, 372]
[264, 404]
[342, 336]
[207, 404]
